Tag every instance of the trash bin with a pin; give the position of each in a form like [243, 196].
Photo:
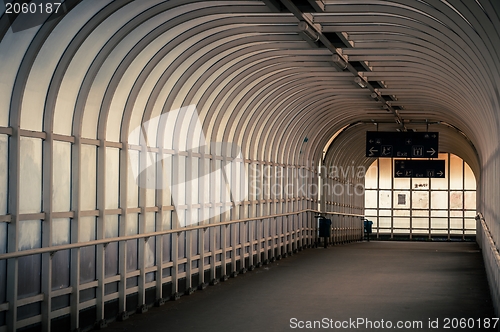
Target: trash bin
[368, 228]
[325, 227]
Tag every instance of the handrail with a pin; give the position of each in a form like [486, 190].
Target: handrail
[338, 213]
[480, 217]
[106, 241]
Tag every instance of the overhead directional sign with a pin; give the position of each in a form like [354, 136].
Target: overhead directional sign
[402, 144]
[419, 169]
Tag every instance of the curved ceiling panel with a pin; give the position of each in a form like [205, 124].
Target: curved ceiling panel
[440, 61]
[253, 75]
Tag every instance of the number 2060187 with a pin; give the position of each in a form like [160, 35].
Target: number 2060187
[32, 8]
[471, 323]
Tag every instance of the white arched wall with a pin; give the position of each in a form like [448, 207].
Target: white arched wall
[74, 89]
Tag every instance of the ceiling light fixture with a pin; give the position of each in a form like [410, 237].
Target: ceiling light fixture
[358, 80]
[339, 61]
[307, 30]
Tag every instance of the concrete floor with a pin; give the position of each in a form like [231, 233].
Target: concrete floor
[375, 281]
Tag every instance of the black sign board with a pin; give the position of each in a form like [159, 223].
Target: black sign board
[402, 144]
[419, 168]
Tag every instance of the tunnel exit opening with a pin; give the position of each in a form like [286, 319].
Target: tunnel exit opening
[422, 208]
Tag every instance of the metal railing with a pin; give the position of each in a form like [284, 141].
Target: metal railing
[338, 230]
[260, 240]
[491, 257]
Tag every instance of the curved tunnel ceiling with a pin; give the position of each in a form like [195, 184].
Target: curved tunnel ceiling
[254, 76]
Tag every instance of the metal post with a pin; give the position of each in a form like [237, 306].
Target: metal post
[47, 180]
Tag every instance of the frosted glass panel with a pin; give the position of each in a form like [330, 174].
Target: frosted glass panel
[150, 245]
[167, 220]
[385, 173]
[4, 175]
[401, 213]
[420, 184]
[132, 224]
[151, 180]
[30, 234]
[111, 226]
[440, 183]
[385, 199]
[384, 222]
[87, 231]
[456, 200]
[470, 214]
[61, 194]
[3, 238]
[438, 223]
[150, 224]
[402, 223]
[470, 200]
[29, 278]
[370, 212]
[470, 179]
[385, 212]
[112, 177]
[193, 181]
[3, 262]
[111, 252]
[180, 183]
[217, 182]
[401, 183]
[370, 199]
[439, 199]
[470, 224]
[61, 231]
[61, 269]
[420, 213]
[420, 223]
[89, 180]
[371, 176]
[439, 213]
[456, 223]
[205, 181]
[456, 172]
[133, 188]
[420, 200]
[30, 181]
[167, 179]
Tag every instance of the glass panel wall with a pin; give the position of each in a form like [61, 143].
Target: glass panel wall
[416, 207]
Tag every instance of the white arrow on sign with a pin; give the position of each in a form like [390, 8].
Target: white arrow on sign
[431, 151]
[398, 173]
[440, 173]
[372, 151]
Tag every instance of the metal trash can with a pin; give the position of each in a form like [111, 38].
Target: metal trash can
[368, 228]
[325, 227]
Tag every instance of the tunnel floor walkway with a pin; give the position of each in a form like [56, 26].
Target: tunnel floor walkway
[407, 282]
